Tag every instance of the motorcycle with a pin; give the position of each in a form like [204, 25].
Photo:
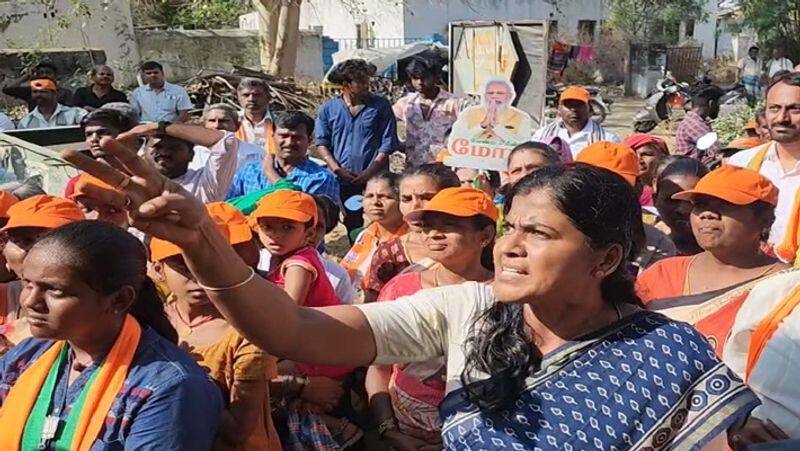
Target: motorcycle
[659, 104]
[599, 106]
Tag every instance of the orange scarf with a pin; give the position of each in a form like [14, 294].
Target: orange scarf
[767, 327]
[269, 137]
[358, 258]
[107, 384]
[787, 249]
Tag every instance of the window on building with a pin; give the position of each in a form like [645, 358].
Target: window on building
[586, 28]
[690, 28]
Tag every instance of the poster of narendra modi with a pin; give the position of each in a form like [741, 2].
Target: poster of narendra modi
[483, 135]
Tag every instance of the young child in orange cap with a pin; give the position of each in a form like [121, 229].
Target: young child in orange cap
[285, 222]
[235, 364]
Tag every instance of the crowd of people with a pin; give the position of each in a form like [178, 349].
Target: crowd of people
[601, 293]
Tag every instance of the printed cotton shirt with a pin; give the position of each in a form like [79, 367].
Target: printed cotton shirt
[426, 134]
[692, 128]
[643, 381]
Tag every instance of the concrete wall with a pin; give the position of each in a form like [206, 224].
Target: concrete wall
[184, 53]
[385, 17]
[704, 32]
[105, 24]
[423, 17]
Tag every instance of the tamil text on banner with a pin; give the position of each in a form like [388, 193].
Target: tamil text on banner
[483, 135]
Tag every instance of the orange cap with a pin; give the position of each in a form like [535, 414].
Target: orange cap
[286, 204]
[6, 201]
[84, 180]
[44, 84]
[460, 201]
[751, 124]
[229, 220]
[442, 155]
[575, 93]
[43, 211]
[615, 157]
[739, 186]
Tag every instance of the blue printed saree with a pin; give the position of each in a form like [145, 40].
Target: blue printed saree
[644, 383]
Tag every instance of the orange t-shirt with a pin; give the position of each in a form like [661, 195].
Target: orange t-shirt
[665, 279]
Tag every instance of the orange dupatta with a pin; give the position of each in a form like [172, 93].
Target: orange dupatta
[269, 137]
[107, 384]
[787, 249]
[767, 327]
[358, 258]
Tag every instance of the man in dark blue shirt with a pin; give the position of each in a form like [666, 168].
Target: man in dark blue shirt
[355, 133]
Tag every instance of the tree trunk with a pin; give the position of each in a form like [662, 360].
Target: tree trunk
[278, 28]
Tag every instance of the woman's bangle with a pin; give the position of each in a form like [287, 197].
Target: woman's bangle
[231, 287]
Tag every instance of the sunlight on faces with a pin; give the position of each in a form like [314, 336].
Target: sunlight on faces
[415, 192]
[573, 112]
[293, 144]
[423, 84]
[782, 113]
[283, 236]
[20, 241]
[154, 77]
[648, 154]
[103, 76]
[58, 302]
[220, 120]
[381, 202]
[253, 99]
[94, 132]
[449, 238]
[524, 162]
[171, 155]
[721, 225]
[180, 281]
[99, 211]
[358, 87]
[543, 257]
[675, 212]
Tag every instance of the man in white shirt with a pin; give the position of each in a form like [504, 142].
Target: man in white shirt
[224, 117]
[574, 124]
[170, 147]
[751, 69]
[779, 160]
[159, 100]
[778, 63]
[48, 112]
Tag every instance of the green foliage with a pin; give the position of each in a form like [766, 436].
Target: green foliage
[653, 20]
[777, 23]
[731, 126]
[189, 14]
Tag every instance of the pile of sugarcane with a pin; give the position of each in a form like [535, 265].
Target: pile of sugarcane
[285, 93]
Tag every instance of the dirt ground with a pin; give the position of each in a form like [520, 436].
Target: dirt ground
[619, 121]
